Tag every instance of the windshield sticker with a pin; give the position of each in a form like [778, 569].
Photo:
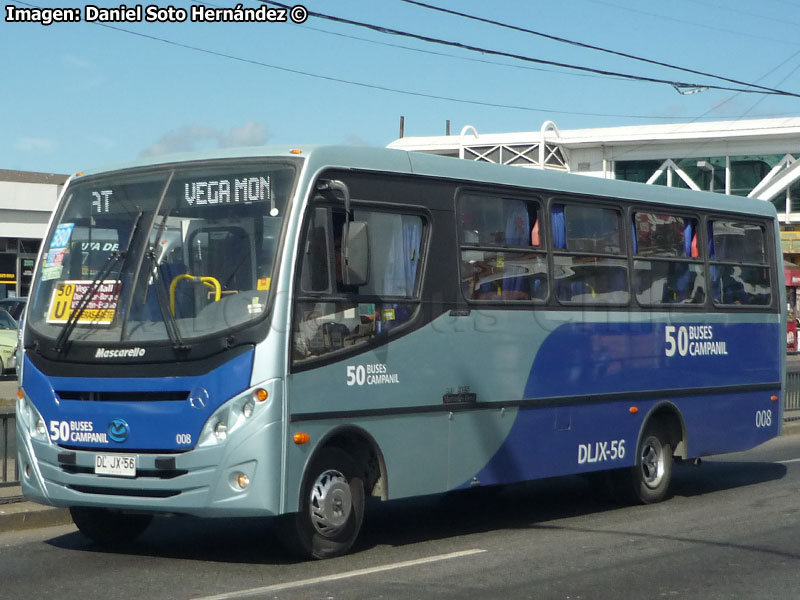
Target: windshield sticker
[58, 248]
[263, 284]
[61, 236]
[228, 191]
[55, 257]
[255, 307]
[49, 273]
[99, 310]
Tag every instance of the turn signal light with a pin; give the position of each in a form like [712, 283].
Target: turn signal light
[295, 151]
[301, 438]
[260, 395]
[20, 393]
[242, 481]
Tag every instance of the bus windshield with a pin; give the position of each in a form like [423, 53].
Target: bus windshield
[166, 255]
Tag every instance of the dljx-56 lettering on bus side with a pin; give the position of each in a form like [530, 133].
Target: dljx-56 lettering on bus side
[601, 451]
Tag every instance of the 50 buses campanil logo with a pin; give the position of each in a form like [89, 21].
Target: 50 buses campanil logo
[118, 430]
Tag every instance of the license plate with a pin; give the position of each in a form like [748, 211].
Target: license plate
[115, 464]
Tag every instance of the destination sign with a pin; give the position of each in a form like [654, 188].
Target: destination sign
[227, 191]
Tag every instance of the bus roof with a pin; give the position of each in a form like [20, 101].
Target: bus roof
[318, 157]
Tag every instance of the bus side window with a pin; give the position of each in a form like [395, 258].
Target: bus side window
[502, 258]
[740, 274]
[667, 266]
[589, 257]
[337, 316]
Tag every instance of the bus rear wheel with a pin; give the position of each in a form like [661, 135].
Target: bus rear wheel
[653, 471]
[107, 527]
[331, 508]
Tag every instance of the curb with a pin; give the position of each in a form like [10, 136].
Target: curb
[27, 515]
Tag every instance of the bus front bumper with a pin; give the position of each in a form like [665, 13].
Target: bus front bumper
[205, 481]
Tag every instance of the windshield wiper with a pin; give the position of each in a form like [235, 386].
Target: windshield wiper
[114, 257]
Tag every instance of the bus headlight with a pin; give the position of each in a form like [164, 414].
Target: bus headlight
[31, 419]
[231, 416]
[248, 408]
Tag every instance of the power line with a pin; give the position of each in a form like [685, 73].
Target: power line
[582, 44]
[371, 86]
[445, 55]
[355, 83]
[745, 12]
[676, 84]
[694, 24]
[721, 104]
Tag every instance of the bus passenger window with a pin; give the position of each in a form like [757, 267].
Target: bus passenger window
[502, 258]
[667, 268]
[739, 271]
[588, 262]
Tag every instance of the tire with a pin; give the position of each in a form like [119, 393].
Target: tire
[107, 527]
[331, 508]
[652, 474]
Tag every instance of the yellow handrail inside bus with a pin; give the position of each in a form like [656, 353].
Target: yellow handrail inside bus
[208, 281]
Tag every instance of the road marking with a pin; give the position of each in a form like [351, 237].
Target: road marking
[791, 460]
[347, 575]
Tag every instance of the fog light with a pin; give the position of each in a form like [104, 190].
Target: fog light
[221, 431]
[242, 480]
[41, 428]
[247, 409]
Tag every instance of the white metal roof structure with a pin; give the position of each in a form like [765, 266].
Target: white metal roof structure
[756, 158]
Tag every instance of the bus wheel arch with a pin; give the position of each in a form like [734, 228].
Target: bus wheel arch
[364, 450]
[660, 437]
[667, 416]
[344, 468]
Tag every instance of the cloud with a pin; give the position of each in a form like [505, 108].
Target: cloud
[29, 144]
[196, 137]
[249, 134]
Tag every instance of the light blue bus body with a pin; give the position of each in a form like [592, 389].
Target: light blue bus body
[464, 391]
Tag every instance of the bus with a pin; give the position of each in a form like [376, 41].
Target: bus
[289, 332]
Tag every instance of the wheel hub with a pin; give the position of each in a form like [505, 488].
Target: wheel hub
[652, 462]
[331, 503]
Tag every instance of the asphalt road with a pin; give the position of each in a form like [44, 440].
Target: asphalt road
[731, 530]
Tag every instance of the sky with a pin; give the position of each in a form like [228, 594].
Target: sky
[83, 95]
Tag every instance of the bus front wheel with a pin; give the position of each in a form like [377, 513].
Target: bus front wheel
[653, 471]
[107, 527]
[331, 507]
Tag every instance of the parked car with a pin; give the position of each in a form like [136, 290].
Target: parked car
[14, 306]
[8, 342]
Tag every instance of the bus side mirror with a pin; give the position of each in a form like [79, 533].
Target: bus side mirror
[355, 254]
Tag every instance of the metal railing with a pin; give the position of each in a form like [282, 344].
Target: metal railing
[9, 470]
[791, 397]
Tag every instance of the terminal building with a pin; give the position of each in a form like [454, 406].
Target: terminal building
[26, 202]
[755, 158]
